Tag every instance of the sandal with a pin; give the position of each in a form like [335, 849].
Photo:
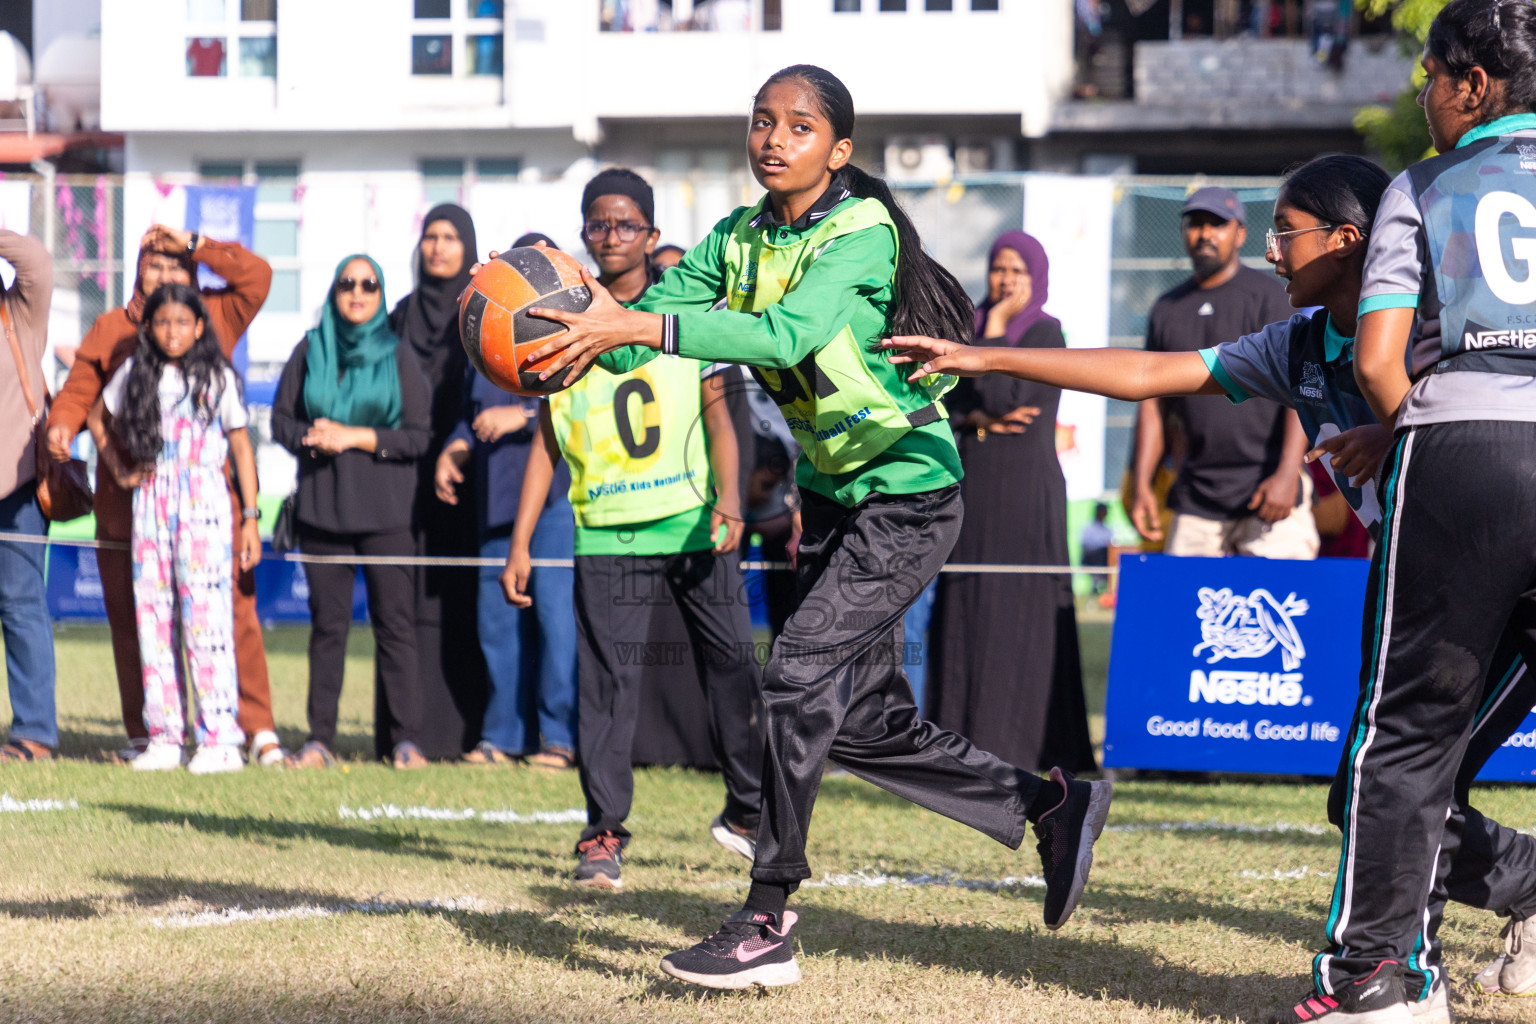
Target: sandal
[487, 754]
[408, 756]
[313, 754]
[555, 758]
[267, 750]
[24, 752]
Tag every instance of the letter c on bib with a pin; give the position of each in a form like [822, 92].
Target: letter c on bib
[1490, 249]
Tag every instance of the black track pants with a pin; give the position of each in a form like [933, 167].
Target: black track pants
[834, 687]
[614, 598]
[1450, 603]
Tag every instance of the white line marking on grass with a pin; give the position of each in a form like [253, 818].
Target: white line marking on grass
[947, 879]
[1280, 827]
[9, 804]
[1282, 876]
[240, 915]
[572, 816]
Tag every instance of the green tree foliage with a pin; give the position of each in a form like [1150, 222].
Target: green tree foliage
[1398, 132]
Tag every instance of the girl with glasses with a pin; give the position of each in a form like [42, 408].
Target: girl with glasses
[653, 482]
[1323, 250]
[352, 406]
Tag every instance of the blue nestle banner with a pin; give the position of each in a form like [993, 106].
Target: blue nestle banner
[1245, 665]
[282, 591]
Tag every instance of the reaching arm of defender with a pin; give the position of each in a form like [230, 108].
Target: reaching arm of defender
[1124, 373]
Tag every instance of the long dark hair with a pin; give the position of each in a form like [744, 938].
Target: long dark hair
[202, 374]
[1498, 36]
[928, 299]
[1338, 189]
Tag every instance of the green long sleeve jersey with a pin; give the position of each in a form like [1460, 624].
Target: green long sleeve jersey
[851, 282]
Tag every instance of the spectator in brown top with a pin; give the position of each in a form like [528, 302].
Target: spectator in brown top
[23, 603]
[168, 256]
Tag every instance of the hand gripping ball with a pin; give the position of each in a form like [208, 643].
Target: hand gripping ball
[494, 325]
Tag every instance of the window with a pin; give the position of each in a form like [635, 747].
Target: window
[205, 57]
[498, 167]
[432, 55]
[231, 38]
[845, 6]
[940, 5]
[893, 5]
[443, 180]
[458, 38]
[984, 5]
[275, 234]
[485, 55]
[258, 57]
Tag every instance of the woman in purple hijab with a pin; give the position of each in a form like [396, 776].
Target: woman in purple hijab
[1018, 694]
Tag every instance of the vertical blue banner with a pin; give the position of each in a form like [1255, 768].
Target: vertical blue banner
[228, 213]
[1245, 665]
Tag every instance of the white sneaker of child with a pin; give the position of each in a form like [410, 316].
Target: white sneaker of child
[211, 760]
[157, 757]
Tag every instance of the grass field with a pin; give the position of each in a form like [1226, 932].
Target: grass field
[271, 896]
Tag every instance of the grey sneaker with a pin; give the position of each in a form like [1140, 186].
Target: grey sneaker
[1518, 975]
[1487, 979]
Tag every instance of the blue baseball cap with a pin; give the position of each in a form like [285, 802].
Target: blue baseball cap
[1222, 202]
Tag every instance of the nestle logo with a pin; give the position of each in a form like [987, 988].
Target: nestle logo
[1233, 626]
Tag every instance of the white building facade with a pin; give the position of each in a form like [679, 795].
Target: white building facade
[352, 117]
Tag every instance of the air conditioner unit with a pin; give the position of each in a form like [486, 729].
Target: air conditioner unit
[918, 158]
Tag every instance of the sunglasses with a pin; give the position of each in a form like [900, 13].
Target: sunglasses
[369, 285]
[1272, 239]
[627, 230]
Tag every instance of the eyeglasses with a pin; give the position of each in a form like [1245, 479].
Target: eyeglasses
[1272, 238]
[369, 285]
[627, 230]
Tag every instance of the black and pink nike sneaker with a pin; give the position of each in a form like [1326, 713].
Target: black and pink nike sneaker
[750, 948]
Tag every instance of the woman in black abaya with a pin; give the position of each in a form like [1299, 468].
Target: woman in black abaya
[452, 669]
[1005, 670]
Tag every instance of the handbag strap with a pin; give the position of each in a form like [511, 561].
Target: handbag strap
[21, 362]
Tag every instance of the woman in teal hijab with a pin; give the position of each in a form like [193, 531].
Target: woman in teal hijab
[353, 408]
[351, 375]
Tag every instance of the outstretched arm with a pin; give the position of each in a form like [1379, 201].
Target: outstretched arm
[538, 474]
[1125, 373]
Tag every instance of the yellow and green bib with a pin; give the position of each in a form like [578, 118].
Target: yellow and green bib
[845, 403]
[635, 443]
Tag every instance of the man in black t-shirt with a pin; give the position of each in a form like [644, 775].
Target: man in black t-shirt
[1241, 490]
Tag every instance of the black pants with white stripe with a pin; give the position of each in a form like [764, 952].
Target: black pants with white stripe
[1450, 610]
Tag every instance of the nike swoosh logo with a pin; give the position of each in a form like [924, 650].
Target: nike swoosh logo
[744, 957]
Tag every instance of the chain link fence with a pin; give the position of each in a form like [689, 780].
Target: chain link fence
[80, 219]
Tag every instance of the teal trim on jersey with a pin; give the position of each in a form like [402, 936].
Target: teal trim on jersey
[1334, 343]
[1389, 514]
[1503, 126]
[1392, 300]
[1234, 390]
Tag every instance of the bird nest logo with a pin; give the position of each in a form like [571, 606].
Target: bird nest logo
[1234, 626]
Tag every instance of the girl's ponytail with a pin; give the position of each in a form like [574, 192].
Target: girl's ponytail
[928, 299]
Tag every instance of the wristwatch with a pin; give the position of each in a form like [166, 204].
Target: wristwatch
[193, 241]
[249, 513]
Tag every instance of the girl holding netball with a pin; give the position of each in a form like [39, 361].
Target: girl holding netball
[812, 277]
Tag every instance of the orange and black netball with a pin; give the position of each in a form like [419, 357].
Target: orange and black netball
[494, 324]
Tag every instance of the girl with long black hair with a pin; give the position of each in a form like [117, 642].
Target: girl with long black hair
[179, 408]
[813, 276]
